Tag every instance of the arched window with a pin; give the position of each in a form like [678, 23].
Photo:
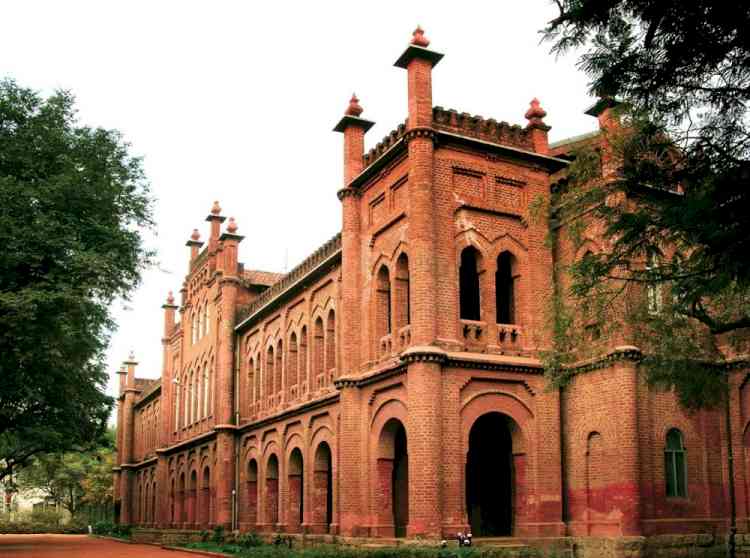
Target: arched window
[269, 372]
[186, 401]
[279, 367]
[653, 290]
[505, 288]
[675, 471]
[206, 390]
[177, 403]
[468, 279]
[251, 379]
[302, 356]
[200, 323]
[291, 361]
[331, 344]
[194, 328]
[318, 349]
[403, 305]
[258, 379]
[196, 395]
[206, 321]
[382, 303]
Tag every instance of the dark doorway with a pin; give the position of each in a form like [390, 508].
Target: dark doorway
[400, 482]
[489, 477]
[323, 487]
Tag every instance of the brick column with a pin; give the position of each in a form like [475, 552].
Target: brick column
[423, 428]
[128, 426]
[348, 516]
[162, 513]
[630, 493]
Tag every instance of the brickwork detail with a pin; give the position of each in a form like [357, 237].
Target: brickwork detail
[390, 385]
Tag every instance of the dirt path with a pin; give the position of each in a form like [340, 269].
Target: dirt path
[78, 546]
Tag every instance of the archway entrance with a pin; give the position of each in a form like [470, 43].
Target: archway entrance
[272, 491]
[393, 477]
[490, 476]
[322, 510]
[295, 491]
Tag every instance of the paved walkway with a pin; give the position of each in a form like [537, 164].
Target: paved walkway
[79, 546]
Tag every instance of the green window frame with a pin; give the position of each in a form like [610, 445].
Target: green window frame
[675, 465]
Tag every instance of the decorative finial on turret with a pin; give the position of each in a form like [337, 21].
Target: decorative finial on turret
[170, 298]
[131, 356]
[216, 208]
[196, 236]
[419, 39]
[536, 113]
[354, 108]
[231, 226]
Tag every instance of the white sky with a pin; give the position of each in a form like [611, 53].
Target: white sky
[235, 101]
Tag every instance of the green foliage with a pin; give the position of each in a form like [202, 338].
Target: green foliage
[218, 535]
[73, 479]
[248, 540]
[73, 203]
[110, 529]
[336, 551]
[671, 195]
[38, 521]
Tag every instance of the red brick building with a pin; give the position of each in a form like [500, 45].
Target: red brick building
[391, 383]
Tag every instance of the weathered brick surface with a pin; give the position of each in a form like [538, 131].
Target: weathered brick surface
[282, 398]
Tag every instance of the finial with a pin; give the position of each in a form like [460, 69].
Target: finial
[419, 39]
[216, 208]
[131, 356]
[231, 226]
[354, 108]
[170, 298]
[196, 235]
[535, 113]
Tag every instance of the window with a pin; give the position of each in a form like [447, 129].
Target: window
[177, 403]
[675, 471]
[468, 279]
[205, 391]
[383, 303]
[505, 288]
[331, 344]
[653, 290]
[291, 361]
[403, 309]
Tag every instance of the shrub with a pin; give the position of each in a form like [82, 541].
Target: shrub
[218, 536]
[248, 540]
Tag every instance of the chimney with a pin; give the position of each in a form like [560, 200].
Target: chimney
[195, 245]
[418, 61]
[130, 363]
[216, 220]
[537, 128]
[122, 373]
[354, 128]
[230, 241]
[169, 314]
[605, 112]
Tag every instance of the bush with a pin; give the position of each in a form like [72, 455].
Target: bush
[110, 529]
[48, 518]
[218, 536]
[248, 540]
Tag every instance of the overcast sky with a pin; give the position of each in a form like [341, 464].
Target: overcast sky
[235, 101]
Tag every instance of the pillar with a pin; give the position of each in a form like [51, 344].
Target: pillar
[423, 430]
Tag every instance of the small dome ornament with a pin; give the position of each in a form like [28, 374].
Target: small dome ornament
[170, 298]
[131, 356]
[354, 108]
[536, 113]
[419, 39]
[215, 208]
[196, 236]
[231, 226]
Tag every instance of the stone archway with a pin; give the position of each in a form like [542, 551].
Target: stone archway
[393, 477]
[491, 476]
[249, 511]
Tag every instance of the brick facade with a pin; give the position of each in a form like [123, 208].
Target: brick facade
[391, 383]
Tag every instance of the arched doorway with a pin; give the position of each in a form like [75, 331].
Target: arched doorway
[272, 490]
[393, 477]
[204, 506]
[191, 497]
[490, 476]
[295, 491]
[323, 487]
[250, 514]
[181, 513]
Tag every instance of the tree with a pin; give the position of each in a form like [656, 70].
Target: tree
[72, 479]
[681, 227]
[73, 204]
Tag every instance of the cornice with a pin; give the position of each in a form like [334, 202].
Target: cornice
[190, 442]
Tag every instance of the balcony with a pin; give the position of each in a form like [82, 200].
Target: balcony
[385, 346]
[474, 335]
[404, 337]
[509, 337]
